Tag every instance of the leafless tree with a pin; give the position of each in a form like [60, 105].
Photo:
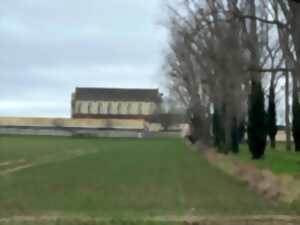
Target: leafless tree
[202, 73]
[219, 48]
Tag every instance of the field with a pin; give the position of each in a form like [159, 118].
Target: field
[117, 178]
[279, 161]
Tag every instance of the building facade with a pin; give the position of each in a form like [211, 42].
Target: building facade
[112, 103]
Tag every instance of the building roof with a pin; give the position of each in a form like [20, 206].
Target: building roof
[117, 94]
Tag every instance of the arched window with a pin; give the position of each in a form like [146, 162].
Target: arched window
[99, 108]
[119, 109]
[140, 109]
[90, 108]
[79, 108]
[152, 108]
[129, 109]
[109, 108]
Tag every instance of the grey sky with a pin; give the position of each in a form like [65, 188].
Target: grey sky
[48, 47]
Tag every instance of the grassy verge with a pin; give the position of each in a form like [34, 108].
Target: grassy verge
[277, 220]
[279, 161]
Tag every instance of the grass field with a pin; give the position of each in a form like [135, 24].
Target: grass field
[117, 178]
[279, 161]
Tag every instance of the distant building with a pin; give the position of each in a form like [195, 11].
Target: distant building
[105, 112]
[113, 103]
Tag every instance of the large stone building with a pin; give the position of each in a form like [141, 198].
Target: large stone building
[103, 112]
[112, 103]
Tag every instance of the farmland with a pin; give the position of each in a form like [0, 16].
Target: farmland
[118, 178]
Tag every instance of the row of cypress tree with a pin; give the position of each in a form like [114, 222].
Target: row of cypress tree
[260, 124]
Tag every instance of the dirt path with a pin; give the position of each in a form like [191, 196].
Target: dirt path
[5, 163]
[187, 220]
[15, 169]
[44, 160]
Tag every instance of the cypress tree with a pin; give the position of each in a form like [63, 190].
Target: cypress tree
[242, 131]
[296, 121]
[272, 125]
[257, 131]
[235, 137]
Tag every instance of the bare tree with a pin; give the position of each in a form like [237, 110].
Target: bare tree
[198, 66]
[219, 53]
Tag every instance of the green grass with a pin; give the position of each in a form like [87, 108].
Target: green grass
[279, 161]
[118, 178]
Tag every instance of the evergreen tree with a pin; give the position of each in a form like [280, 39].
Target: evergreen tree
[296, 121]
[235, 136]
[272, 125]
[257, 131]
[242, 131]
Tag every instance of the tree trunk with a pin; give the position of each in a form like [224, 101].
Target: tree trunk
[287, 113]
[227, 129]
[218, 130]
[273, 143]
[200, 125]
[295, 32]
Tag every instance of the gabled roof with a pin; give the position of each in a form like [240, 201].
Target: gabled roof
[117, 94]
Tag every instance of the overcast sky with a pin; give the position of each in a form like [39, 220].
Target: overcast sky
[49, 47]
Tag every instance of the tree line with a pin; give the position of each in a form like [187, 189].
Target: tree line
[224, 62]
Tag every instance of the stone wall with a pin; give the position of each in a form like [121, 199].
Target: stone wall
[78, 123]
[71, 127]
[68, 132]
[281, 136]
[88, 127]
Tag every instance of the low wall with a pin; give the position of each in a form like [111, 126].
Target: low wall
[164, 134]
[71, 127]
[68, 132]
[281, 136]
[78, 123]
[83, 127]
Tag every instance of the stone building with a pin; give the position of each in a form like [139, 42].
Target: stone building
[113, 103]
[104, 112]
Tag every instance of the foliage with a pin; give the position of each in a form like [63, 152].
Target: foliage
[271, 118]
[257, 129]
[235, 136]
[296, 122]
[241, 132]
[262, 38]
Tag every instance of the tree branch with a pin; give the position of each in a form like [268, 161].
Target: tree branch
[251, 17]
[270, 70]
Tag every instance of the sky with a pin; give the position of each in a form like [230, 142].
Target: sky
[49, 47]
